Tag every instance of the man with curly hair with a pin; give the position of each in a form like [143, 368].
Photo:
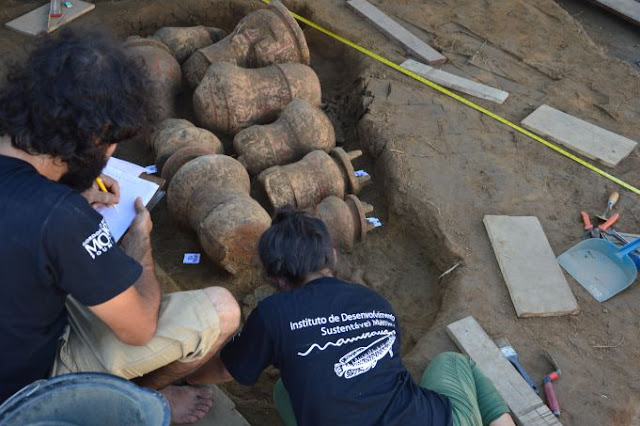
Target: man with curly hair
[64, 306]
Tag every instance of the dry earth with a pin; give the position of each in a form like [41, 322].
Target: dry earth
[439, 166]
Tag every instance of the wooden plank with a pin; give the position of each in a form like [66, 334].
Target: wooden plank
[526, 407]
[585, 138]
[627, 9]
[35, 22]
[223, 412]
[395, 31]
[455, 82]
[536, 283]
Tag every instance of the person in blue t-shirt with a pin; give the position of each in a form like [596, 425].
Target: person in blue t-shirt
[71, 298]
[337, 346]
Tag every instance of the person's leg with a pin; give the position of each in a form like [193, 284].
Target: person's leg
[228, 312]
[450, 374]
[473, 397]
[283, 404]
[191, 403]
[493, 409]
[192, 327]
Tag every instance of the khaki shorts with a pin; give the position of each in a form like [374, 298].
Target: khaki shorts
[188, 326]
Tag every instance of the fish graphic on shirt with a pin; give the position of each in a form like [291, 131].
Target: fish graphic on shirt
[364, 358]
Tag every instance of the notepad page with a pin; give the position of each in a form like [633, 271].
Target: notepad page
[131, 187]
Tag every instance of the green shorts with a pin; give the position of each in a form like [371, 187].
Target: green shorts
[474, 399]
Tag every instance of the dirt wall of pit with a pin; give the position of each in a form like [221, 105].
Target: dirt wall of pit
[438, 168]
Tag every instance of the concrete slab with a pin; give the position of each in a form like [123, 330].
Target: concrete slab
[223, 412]
[628, 9]
[455, 82]
[536, 283]
[35, 22]
[527, 408]
[396, 32]
[585, 138]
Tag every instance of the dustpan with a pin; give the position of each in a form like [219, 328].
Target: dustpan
[600, 266]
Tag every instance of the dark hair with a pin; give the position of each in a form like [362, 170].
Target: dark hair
[294, 246]
[74, 90]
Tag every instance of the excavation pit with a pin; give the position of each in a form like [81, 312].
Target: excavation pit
[437, 168]
[390, 260]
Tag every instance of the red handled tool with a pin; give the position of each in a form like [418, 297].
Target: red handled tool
[609, 223]
[590, 231]
[55, 10]
[549, 391]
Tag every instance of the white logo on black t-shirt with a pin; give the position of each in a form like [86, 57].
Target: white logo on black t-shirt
[99, 242]
[361, 359]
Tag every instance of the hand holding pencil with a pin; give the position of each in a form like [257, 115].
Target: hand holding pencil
[104, 192]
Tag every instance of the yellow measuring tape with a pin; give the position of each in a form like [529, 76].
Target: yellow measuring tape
[464, 101]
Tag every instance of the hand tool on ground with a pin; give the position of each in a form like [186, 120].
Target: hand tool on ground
[600, 266]
[590, 231]
[55, 13]
[635, 255]
[549, 391]
[613, 199]
[511, 354]
[630, 237]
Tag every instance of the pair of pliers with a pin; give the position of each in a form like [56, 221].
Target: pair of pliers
[590, 231]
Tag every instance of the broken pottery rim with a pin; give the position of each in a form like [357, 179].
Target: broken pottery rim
[285, 15]
[148, 42]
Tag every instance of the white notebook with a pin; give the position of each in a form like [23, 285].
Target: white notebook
[131, 186]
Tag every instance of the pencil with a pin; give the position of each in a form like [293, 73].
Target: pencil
[104, 189]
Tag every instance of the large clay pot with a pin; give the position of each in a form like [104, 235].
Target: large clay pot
[300, 129]
[183, 41]
[307, 182]
[211, 193]
[164, 125]
[346, 219]
[182, 157]
[175, 134]
[264, 37]
[161, 69]
[230, 98]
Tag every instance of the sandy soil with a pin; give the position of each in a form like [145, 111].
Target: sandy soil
[438, 167]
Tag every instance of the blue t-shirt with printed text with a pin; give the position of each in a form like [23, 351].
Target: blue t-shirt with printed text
[337, 346]
[52, 244]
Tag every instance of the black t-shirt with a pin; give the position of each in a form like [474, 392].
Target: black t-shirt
[337, 346]
[52, 243]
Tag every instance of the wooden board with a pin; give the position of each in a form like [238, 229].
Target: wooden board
[222, 412]
[536, 283]
[35, 22]
[455, 82]
[527, 408]
[395, 31]
[585, 138]
[628, 9]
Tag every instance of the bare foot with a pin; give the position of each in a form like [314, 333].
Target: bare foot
[188, 403]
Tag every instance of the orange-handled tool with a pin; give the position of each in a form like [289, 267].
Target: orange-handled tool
[609, 222]
[589, 232]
